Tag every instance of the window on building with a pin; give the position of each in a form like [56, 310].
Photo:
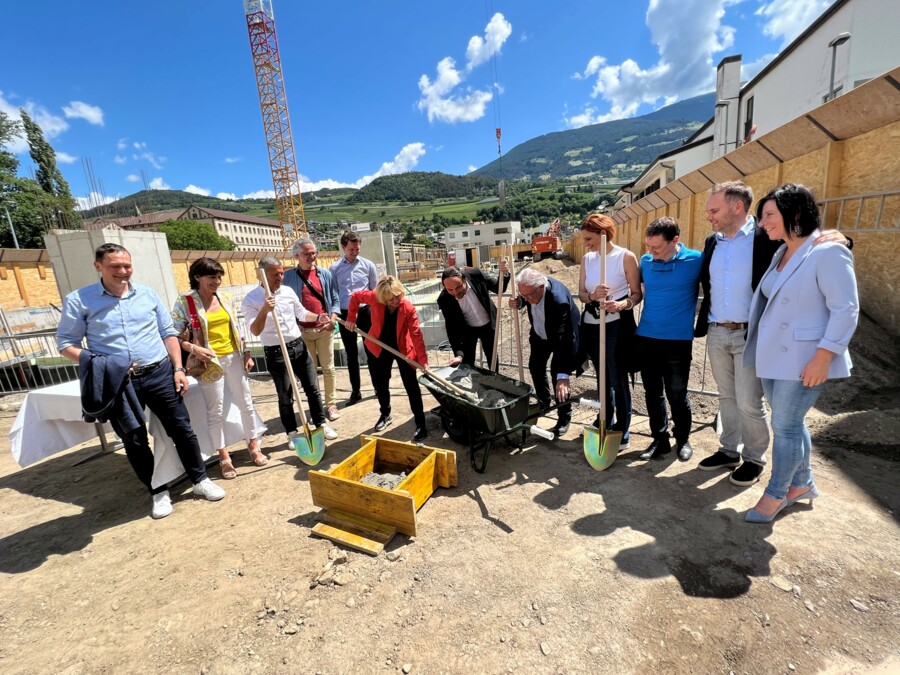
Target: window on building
[477, 233]
[453, 235]
[501, 230]
[464, 233]
[748, 119]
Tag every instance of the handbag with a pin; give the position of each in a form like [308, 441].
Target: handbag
[192, 364]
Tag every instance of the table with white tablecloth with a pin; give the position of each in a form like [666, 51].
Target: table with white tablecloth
[50, 422]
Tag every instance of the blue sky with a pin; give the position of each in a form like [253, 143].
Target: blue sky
[168, 89]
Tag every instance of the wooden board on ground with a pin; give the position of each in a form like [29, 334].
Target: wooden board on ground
[365, 517]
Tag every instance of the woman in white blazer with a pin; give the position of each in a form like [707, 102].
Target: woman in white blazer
[802, 317]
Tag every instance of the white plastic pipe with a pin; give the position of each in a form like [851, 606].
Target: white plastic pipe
[543, 433]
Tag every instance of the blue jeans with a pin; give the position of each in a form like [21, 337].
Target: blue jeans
[790, 400]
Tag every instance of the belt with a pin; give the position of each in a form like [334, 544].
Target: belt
[730, 325]
[140, 371]
[290, 344]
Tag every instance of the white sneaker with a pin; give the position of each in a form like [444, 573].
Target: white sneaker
[291, 435]
[330, 434]
[162, 505]
[206, 488]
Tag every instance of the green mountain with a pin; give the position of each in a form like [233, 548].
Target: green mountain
[617, 151]
[420, 186]
[151, 201]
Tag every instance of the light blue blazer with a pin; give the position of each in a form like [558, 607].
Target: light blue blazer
[813, 304]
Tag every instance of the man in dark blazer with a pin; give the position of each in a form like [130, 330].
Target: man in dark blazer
[553, 337]
[468, 312]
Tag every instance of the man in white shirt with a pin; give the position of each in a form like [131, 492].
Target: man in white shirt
[284, 306]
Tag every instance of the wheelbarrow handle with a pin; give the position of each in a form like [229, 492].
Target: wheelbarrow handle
[543, 433]
[590, 403]
[415, 364]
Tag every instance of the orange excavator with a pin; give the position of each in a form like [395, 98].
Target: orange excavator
[547, 245]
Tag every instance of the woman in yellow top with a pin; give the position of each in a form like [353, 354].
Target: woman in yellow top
[227, 360]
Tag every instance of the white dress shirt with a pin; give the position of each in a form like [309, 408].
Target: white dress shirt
[287, 307]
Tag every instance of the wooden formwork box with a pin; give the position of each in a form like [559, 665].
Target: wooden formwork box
[366, 517]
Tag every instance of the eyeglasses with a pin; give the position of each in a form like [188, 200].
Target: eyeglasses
[312, 254]
[533, 293]
[662, 265]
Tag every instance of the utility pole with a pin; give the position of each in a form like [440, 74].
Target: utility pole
[11, 228]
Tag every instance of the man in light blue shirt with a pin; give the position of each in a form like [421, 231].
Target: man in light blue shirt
[117, 318]
[354, 273]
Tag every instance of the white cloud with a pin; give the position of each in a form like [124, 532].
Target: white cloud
[122, 144]
[260, 194]
[65, 158]
[92, 114]
[52, 125]
[472, 168]
[688, 34]
[481, 49]
[786, 19]
[751, 70]
[232, 160]
[226, 195]
[139, 145]
[133, 178]
[93, 200]
[441, 99]
[159, 184]
[155, 162]
[194, 190]
[403, 161]
[119, 159]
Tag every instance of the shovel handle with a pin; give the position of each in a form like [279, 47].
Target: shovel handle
[590, 403]
[415, 364]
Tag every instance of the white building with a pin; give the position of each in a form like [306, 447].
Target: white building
[484, 234]
[849, 44]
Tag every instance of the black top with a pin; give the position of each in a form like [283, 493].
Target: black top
[389, 328]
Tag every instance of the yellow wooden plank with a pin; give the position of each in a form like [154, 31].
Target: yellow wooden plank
[386, 506]
[451, 479]
[420, 484]
[405, 456]
[378, 531]
[358, 464]
[349, 539]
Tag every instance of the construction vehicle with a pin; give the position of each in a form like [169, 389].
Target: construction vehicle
[547, 245]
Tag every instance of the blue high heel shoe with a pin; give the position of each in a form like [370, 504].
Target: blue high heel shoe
[810, 494]
[754, 516]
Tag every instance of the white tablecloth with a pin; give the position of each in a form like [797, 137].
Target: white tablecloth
[49, 422]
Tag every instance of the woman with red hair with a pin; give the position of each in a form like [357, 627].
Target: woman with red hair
[618, 295]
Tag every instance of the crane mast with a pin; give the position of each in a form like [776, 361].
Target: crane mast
[276, 121]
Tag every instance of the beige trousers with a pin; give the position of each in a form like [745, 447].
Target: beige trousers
[320, 344]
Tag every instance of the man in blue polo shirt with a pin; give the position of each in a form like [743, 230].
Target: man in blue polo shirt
[670, 273]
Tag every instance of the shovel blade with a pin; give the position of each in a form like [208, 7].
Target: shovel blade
[310, 446]
[601, 449]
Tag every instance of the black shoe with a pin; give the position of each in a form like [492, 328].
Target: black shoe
[658, 448]
[719, 460]
[685, 451]
[383, 421]
[746, 474]
[355, 397]
[420, 435]
[561, 429]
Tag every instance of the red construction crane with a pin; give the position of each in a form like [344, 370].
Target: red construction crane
[276, 121]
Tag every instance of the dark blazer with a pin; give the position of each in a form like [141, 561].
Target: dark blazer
[106, 390]
[454, 319]
[763, 251]
[561, 322]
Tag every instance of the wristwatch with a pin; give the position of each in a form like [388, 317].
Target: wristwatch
[179, 369]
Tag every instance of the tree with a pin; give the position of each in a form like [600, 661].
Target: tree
[9, 164]
[62, 212]
[189, 235]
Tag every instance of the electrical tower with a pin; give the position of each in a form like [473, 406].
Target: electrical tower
[276, 121]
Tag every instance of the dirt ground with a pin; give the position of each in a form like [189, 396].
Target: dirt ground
[540, 565]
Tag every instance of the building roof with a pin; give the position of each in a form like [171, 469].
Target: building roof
[133, 221]
[235, 216]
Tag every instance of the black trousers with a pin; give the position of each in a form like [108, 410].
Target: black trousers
[470, 343]
[156, 390]
[351, 346]
[665, 369]
[541, 352]
[303, 368]
[618, 393]
[381, 367]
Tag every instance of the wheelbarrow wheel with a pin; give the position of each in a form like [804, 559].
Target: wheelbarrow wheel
[457, 431]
